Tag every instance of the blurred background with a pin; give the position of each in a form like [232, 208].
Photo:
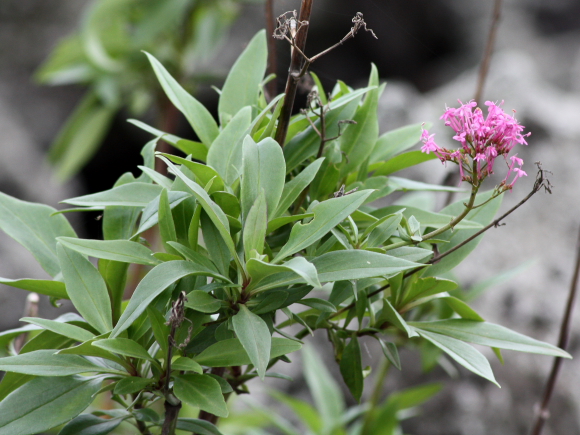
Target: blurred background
[428, 51]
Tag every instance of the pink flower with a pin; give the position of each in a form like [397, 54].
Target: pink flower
[483, 138]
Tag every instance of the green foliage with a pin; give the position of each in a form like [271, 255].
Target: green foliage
[246, 229]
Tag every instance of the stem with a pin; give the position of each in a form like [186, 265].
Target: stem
[375, 395]
[171, 414]
[484, 68]
[543, 414]
[450, 225]
[294, 73]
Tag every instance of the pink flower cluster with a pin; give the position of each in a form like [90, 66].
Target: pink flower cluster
[482, 141]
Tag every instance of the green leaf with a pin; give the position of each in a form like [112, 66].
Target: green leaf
[195, 257]
[157, 280]
[198, 116]
[169, 138]
[54, 289]
[396, 141]
[358, 140]
[278, 222]
[132, 384]
[464, 310]
[217, 249]
[327, 215]
[71, 331]
[318, 304]
[35, 228]
[294, 187]
[225, 154]
[358, 264]
[203, 173]
[201, 391]
[159, 328]
[259, 271]
[129, 195]
[230, 352]
[489, 334]
[44, 403]
[124, 251]
[391, 353]
[88, 424]
[426, 218]
[326, 393]
[118, 221]
[186, 364]
[463, 353]
[405, 184]
[255, 226]
[86, 288]
[401, 162]
[393, 317]
[351, 368]
[242, 84]
[46, 363]
[197, 426]
[199, 300]
[150, 216]
[125, 347]
[384, 228]
[166, 224]
[255, 337]
[80, 137]
[424, 287]
[215, 213]
[263, 169]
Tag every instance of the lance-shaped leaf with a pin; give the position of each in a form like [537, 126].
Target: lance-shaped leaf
[199, 300]
[393, 317]
[242, 83]
[327, 215]
[263, 169]
[259, 271]
[195, 425]
[255, 226]
[86, 288]
[426, 218]
[198, 116]
[36, 228]
[71, 331]
[294, 187]
[88, 424]
[166, 223]
[396, 141]
[125, 347]
[351, 368]
[44, 403]
[358, 264]
[230, 352]
[129, 195]
[403, 161]
[358, 140]
[201, 391]
[225, 154]
[463, 353]
[489, 334]
[157, 280]
[124, 251]
[215, 213]
[203, 173]
[253, 333]
[55, 289]
[47, 363]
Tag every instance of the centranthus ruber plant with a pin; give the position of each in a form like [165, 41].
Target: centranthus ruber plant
[483, 140]
[270, 220]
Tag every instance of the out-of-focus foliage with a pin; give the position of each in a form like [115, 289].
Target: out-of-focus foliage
[104, 55]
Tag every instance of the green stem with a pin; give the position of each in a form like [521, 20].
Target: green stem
[450, 225]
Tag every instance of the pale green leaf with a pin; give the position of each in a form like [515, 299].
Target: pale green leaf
[199, 300]
[253, 333]
[124, 251]
[201, 391]
[294, 187]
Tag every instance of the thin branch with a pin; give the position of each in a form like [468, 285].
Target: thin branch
[541, 182]
[294, 71]
[484, 67]
[543, 413]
